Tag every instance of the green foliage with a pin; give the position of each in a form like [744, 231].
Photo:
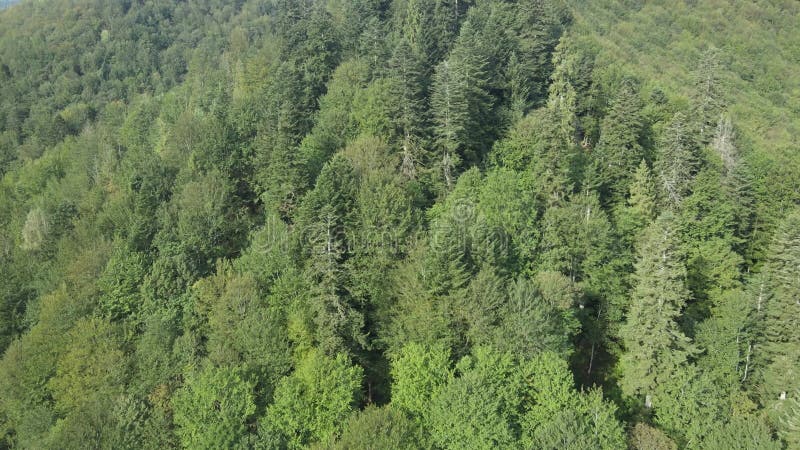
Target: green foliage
[325, 221]
[558, 416]
[477, 408]
[655, 348]
[120, 283]
[213, 408]
[645, 437]
[539, 315]
[676, 162]
[240, 327]
[418, 372]
[777, 330]
[399, 224]
[740, 433]
[374, 427]
[619, 149]
[540, 145]
[312, 403]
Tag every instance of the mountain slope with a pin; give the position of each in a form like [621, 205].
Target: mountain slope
[663, 42]
[443, 224]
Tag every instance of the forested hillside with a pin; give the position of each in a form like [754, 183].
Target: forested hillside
[400, 224]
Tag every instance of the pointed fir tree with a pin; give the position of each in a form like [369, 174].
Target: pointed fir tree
[450, 115]
[519, 92]
[677, 162]
[655, 347]
[324, 229]
[724, 145]
[407, 89]
[778, 349]
[431, 27]
[708, 99]
[737, 185]
[462, 106]
[572, 86]
[538, 27]
[642, 205]
[618, 152]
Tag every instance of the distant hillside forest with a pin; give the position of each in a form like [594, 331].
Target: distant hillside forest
[400, 224]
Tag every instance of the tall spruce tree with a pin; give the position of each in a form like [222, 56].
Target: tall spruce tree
[677, 162]
[642, 204]
[778, 350]
[655, 347]
[618, 152]
[462, 106]
[324, 226]
[407, 89]
[708, 98]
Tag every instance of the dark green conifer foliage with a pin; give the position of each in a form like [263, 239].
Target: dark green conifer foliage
[399, 224]
[709, 98]
[619, 150]
[642, 203]
[540, 147]
[325, 226]
[676, 162]
[655, 347]
[777, 350]
[408, 92]
[461, 106]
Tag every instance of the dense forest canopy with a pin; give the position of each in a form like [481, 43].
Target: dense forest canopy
[400, 224]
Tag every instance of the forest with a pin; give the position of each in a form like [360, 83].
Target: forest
[400, 224]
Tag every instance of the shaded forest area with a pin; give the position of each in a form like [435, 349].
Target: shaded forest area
[400, 224]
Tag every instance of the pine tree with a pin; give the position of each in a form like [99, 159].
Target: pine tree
[519, 91]
[462, 106]
[538, 27]
[724, 145]
[571, 85]
[655, 347]
[432, 27]
[726, 339]
[737, 185]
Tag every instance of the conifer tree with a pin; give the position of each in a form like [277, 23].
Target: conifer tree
[618, 152]
[408, 91]
[708, 99]
[325, 224]
[432, 27]
[778, 349]
[538, 27]
[642, 204]
[572, 85]
[655, 347]
[450, 114]
[539, 146]
[677, 162]
[461, 106]
[519, 92]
